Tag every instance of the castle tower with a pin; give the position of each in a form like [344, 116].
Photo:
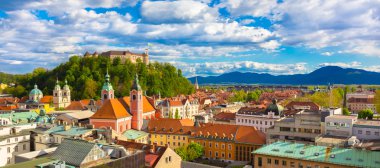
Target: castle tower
[146, 56]
[136, 98]
[107, 89]
[66, 99]
[196, 83]
[57, 95]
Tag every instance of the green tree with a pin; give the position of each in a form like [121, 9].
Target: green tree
[345, 111]
[170, 114]
[90, 88]
[365, 114]
[18, 91]
[190, 152]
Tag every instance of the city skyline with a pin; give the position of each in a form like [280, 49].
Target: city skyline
[202, 37]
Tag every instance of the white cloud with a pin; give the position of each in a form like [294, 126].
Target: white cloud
[217, 68]
[270, 45]
[255, 8]
[177, 12]
[327, 53]
[353, 64]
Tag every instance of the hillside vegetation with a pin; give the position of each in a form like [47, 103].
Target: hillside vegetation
[86, 77]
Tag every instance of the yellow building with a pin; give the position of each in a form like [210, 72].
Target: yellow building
[171, 132]
[228, 142]
[3, 86]
[289, 155]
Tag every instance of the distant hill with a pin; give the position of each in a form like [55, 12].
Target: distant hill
[322, 76]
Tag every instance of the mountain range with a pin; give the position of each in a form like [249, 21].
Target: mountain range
[321, 76]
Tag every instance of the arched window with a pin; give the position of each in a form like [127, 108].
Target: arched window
[134, 97]
[105, 96]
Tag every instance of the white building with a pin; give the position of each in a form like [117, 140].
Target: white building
[262, 119]
[360, 101]
[367, 130]
[14, 140]
[61, 97]
[339, 125]
[186, 108]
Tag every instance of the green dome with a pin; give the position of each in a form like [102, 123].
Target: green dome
[107, 85]
[35, 91]
[274, 107]
[66, 87]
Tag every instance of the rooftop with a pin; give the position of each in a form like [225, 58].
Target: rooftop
[338, 156]
[134, 134]
[368, 123]
[342, 116]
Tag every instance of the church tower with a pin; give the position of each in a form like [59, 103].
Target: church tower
[136, 98]
[107, 89]
[66, 99]
[57, 95]
[196, 83]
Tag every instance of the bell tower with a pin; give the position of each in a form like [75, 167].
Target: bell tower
[66, 99]
[107, 89]
[136, 98]
[57, 95]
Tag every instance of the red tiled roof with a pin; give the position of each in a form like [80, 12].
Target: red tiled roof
[111, 109]
[151, 159]
[171, 126]
[225, 116]
[147, 107]
[76, 105]
[46, 99]
[247, 134]
[175, 103]
[313, 106]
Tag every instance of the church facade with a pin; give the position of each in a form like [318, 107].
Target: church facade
[123, 113]
[61, 97]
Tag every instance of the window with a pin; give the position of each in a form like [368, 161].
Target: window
[368, 132]
[229, 147]
[260, 161]
[216, 154]
[229, 155]
[222, 155]
[377, 133]
[183, 138]
[210, 144]
[179, 143]
[16, 139]
[8, 160]
[173, 137]
[24, 147]
[276, 162]
[284, 162]
[222, 146]
[170, 158]
[360, 131]
[8, 140]
[216, 145]
[16, 148]
[269, 161]
[161, 143]
[266, 122]
[168, 136]
[210, 154]
[9, 149]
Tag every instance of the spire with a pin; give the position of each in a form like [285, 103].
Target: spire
[35, 86]
[107, 77]
[196, 83]
[136, 85]
[57, 87]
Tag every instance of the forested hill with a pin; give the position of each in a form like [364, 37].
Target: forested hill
[86, 77]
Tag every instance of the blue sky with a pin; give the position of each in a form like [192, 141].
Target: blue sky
[203, 37]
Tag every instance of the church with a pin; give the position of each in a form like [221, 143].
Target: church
[123, 113]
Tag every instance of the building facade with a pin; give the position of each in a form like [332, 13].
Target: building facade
[262, 119]
[302, 128]
[61, 97]
[123, 55]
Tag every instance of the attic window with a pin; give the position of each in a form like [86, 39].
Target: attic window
[302, 152]
[332, 156]
[316, 154]
[171, 129]
[163, 129]
[360, 160]
[348, 158]
[181, 130]
[288, 151]
[377, 162]
[275, 150]
[154, 129]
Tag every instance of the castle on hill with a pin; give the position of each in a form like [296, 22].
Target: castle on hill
[123, 55]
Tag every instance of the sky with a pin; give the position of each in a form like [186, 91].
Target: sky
[201, 37]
